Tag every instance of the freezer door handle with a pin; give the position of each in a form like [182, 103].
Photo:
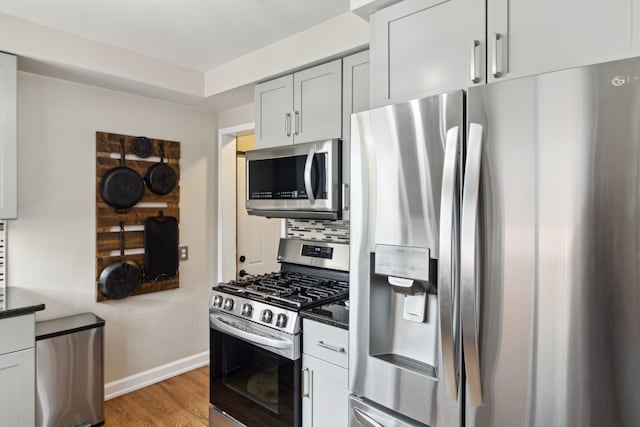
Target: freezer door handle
[364, 419]
[447, 269]
[469, 272]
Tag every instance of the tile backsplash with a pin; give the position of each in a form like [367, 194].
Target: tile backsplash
[313, 229]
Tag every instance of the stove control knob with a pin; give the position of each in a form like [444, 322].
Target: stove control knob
[267, 316]
[217, 301]
[228, 304]
[281, 320]
[247, 310]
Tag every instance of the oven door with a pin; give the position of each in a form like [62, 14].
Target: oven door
[295, 181]
[251, 381]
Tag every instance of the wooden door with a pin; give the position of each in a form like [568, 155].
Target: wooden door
[317, 96]
[257, 236]
[426, 47]
[274, 110]
[535, 37]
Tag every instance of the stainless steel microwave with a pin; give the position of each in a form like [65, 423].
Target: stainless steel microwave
[296, 181]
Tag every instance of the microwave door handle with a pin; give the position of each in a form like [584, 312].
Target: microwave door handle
[308, 186]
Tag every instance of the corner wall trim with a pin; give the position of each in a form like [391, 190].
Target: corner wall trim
[134, 382]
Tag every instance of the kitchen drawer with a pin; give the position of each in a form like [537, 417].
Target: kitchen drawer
[17, 333]
[325, 342]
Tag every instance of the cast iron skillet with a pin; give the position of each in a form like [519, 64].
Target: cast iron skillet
[121, 187]
[161, 178]
[142, 147]
[121, 278]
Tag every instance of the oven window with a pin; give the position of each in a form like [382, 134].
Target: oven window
[283, 178]
[253, 385]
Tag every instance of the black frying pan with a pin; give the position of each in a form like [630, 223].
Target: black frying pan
[161, 178]
[121, 187]
[121, 278]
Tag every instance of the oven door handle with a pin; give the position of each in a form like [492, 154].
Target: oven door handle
[308, 185]
[223, 326]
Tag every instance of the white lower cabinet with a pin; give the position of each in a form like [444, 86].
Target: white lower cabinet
[17, 371]
[325, 384]
[17, 388]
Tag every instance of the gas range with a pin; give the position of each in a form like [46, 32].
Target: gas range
[312, 273]
[255, 332]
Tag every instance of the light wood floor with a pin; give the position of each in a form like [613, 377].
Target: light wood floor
[178, 401]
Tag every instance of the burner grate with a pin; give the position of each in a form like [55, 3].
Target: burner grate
[292, 289]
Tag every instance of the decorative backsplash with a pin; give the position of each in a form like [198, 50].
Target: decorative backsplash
[3, 252]
[324, 230]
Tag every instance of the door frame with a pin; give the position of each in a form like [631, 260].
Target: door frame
[227, 199]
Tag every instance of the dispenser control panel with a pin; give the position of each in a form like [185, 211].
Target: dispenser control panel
[409, 262]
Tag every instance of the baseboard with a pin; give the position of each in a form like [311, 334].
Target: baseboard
[134, 382]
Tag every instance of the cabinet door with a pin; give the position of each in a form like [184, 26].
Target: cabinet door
[274, 121]
[318, 102]
[546, 35]
[325, 400]
[17, 388]
[425, 47]
[8, 138]
[355, 98]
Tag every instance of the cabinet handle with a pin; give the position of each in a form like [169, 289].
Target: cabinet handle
[287, 124]
[306, 382]
[345, 197]
[331, 347]
[496, 61]
[475, 65]
[297, 122]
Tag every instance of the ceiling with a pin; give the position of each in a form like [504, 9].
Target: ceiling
[196, 34]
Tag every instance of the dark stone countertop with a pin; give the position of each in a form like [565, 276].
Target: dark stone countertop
[16, 302]
[334, 314]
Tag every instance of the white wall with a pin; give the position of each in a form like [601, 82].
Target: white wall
[237, 116]
[52, 252]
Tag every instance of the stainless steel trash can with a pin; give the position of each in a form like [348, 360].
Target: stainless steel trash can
[70, 371]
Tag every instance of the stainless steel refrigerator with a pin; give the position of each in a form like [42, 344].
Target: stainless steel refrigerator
[495, 255]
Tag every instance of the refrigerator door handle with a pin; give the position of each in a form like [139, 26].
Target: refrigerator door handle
[469, 272]
[447, 269]
[364, 419]
[308, 185]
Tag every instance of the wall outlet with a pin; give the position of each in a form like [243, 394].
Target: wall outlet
[183, 252]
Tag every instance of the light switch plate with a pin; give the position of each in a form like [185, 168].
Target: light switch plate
[183, 252]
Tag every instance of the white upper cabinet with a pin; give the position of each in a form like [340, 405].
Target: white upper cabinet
[424, 47]
[355, 98]
[317, 103]
[534, 37]
[8, 137]
[301, 107]
[273, 112]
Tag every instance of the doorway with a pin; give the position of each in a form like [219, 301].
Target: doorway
[257, 237]
[228, 267]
